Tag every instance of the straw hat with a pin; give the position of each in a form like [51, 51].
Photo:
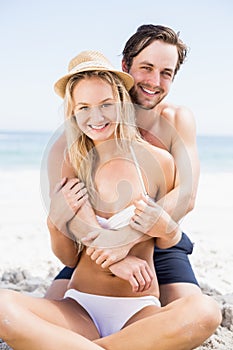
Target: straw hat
[90, 61]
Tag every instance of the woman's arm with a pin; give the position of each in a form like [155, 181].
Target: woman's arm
[134, 270]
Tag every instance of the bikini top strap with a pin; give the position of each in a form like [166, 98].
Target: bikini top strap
[138, 170]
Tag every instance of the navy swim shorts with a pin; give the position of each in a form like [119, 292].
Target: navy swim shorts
[172, 265]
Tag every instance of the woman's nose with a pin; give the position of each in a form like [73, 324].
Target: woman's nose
[96, 114]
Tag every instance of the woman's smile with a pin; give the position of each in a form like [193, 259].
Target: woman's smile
[95, 109]
[99, 127]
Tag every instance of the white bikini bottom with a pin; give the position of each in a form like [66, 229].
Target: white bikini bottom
[110, 313]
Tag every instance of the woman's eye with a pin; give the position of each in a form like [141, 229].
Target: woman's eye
[106, 105]
[81, 110]
[84, 108]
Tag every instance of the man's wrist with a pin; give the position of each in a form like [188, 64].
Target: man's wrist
[169, 240]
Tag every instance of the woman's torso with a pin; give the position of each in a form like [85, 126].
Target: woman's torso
[118, 185]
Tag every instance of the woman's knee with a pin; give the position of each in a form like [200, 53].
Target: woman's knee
[211, 312]
[206, 311]
[6, 300]
[8, 314]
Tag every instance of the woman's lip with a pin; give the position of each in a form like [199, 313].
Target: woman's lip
[98, 127]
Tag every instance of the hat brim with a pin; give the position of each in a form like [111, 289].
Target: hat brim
[60, 85]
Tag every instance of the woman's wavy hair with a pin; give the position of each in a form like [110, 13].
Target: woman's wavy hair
[81, 150]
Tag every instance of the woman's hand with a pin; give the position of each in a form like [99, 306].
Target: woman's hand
[134, 270]
[67, 198]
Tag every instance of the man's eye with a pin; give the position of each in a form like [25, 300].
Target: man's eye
[146, 68]
[167, 74]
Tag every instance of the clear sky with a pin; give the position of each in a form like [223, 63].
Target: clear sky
[38, 39]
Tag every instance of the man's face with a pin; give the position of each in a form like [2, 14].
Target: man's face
[153, 71]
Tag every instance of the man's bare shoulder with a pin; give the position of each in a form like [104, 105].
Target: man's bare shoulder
[174, 113]
[161, 166]
[161, 155]
[58, 147]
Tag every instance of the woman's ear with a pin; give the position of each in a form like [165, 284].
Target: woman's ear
[124, 66]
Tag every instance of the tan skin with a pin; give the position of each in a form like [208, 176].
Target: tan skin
[164, 125]
[65, 324]
[169, 127]
[106, 172]
[99, 280]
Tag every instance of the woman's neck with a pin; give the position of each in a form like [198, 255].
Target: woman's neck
[107, 150]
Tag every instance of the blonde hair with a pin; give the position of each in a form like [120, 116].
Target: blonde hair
[81, 149]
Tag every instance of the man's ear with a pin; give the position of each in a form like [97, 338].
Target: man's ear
[124, 66]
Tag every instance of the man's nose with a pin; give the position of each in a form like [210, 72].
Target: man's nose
[154, 78]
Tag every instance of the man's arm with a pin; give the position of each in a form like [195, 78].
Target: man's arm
[64, 202]
[179, 201]
[62, 246]
[70, 219]
[84, 220]
[179, 124]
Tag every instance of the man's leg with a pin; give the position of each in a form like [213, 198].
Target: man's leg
[174, 271]
[59, 285]
[174, 291]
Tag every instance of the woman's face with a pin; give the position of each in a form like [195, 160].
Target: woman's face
[95, 109]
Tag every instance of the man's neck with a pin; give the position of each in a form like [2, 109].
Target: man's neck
[147, 118]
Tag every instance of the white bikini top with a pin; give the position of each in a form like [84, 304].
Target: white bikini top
[118, 220]
[122, 218]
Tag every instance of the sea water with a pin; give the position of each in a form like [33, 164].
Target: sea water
[26, 150]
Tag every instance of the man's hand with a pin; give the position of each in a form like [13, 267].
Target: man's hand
[105, 247]
[154, 221]
[106, 256]
[134, 270]
[151, 219]
[66, 200]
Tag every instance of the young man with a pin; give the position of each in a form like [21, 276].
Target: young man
[153, 56]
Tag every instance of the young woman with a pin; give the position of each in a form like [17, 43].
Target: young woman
[102, 309]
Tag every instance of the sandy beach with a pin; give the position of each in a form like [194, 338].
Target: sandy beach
[27, 263]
